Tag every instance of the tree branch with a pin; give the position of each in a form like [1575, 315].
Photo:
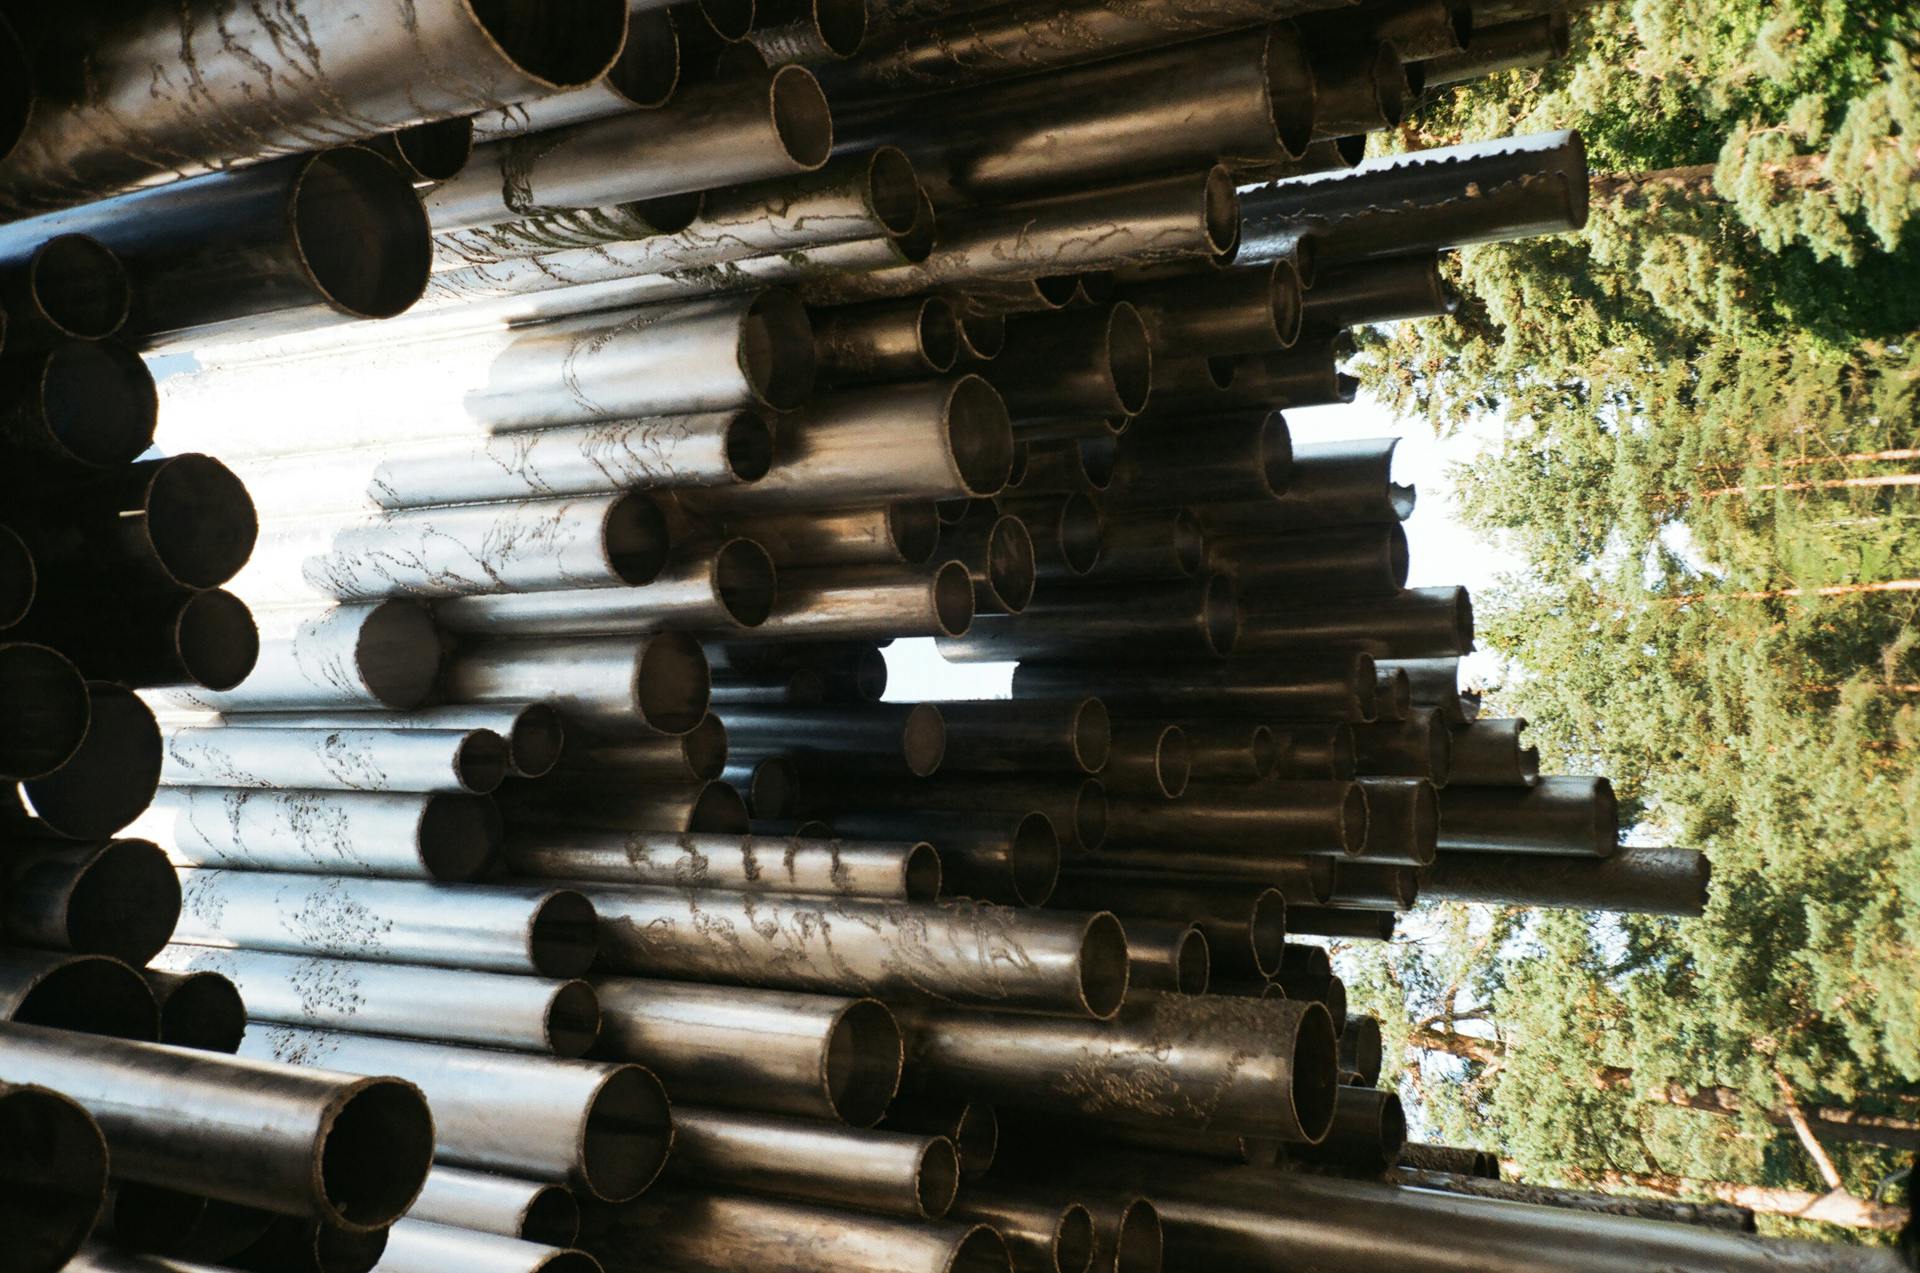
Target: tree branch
[1822, 1161]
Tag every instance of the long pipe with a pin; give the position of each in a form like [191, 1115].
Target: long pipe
[1368, 1129]
[1337, 688]
[731, 586]
[1636, 878]
[79, 408]
[613, 685]
[998, 553]
[1417, 623]
[486, 1202]
[429, 152]
[602, 1127]
[1242, 455]
[198, 1009]
[1212, 313]
[1065, 735]
[1168, 956]
[1245, 925]
[517, 1013]
[379, 655]
[1076, 806]
[1010, 858]
[1150, 761]
[1487, 753]
[93, 994]
[1435, 683]
[533, 732]
[895, 1173]
[491, 927]
[965, 952]
[1208, 1062]
[644, 76]
[898, 870]
[871, 603]
[207, 639]
[1507, 46]
[422, 1246]
[1384, 291]
[972, 1126]
[1715, 1215]
[1561, 815]
[68, 287]
[884, 739]
[453, 761]
[698, 755]
[350, 1151]
[53, 1159]
[1194, 619]
[1367, 559]
[1042, 1237]
[119, 898]
[1295, 816]
[1345, 482]
[1093, 361]
[452, 838]
[1163, 543]
[1417, 746]
[907, 339]
[1403, 821]
[905, 532]
[581, 800]
[106, 781]
[1360, 1050]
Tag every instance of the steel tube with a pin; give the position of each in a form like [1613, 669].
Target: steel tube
[1077, 807]
[427, 152]
[422, 1246]
[1292, 816]
[307, 1246]
[1403, 821]
[516, 1013]
[1384, 291]
[1308, 375]
[1367, 560]
[699, 755]
[717, 134]
[1341, 688]
[452, 838]
[1357, 88]
[895, 1173]
[998, 553]
[1207, 1062]
[643, 77]
[1714, 1215]
[1211, 313]
[91, 994]
[1066, 735]
[1393, 697]
[351, 1151]
[1326, 921]
[1197, 619]
[198, 1010]
[895, 870]
[207, 639]
[380, 655]
[1419, 746]
[1010, 858]
[1508, 46]
[493, 927]
[473, 761]
[886, 340]
[161, 1222]
[964, 952]
[1042, 1237]
[1417, 623]
[719, 1233]
[1636, 878]
[1094, 361]
[489, 1203]
[1375, 885]
[583, 800]
[1201, 460]
[54, 1169]
[1435, 683]
[1340, 483]
[972, 1126]
[1150, 761]
[901, 533]
[1245, 924]
[613, 685]
[1566, 816]
[1447, 1158]
[1164, 543]
[1222, 750]
[1168, 956]
[1067, 532]
[1360, 1050]
[898, 739]
[119, 898]
[105, 782]
[871, 603]
[68, 287]
[1487, 753]
[730, 586]
[603, 1128]
[532, 732]
[1315, 751]
[47, 715]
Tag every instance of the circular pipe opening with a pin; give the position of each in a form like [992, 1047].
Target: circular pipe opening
[730, 19]
[920, 873]
[776, 348]
[982, 1250]
[743, 579]
[1092, 735]
[480, 763]
[893, 189]
[913, 527]
[749, 446]
[1172, 762]
[627, 1134]
[976, 1135]
[1439, 743]
[1390, 84]
[374, 1153]
[801, 118]
[563, 936]
[1289, 110]
[937, 334]
[1276, 453]
[397, 652]
[719, 810]
[1606, 817]
[1462, 621]
[1220, 615]
[54, 1161]
[1090, 815]
[1129, 358]
[199, 520]
[923, 739]
[979, 436]
[79, 287]
[1264, 750]
[113, 774]
[19, 580]
[984, 335]
[671, 683]
[936, 1178]
[563, 43]
[1189, 543]
[1285, 307]
[1424, 810]
[861, 1062]
[1267, 931]
[1081, 537]
[842, 25]
[648, 71]
[361, 233]
[552, 1217]
[770, 786]
[869, 674]
[1393, 1127]
[91, 994]
[46, 723]
[203, 1010]
[1034, 855]
[1398, 558]
[1220, 211]
[1192, 963]
[703, 748]
[534, 740]
[458, 837]
[1010, 564]
[573, 1019]
[1360, 1048]
[1336, 1002]
[1139, 1243]
[1099, 455]
[1103, 966]
[953, 599]
[1094, 287]
[98, 403]
[1353, 820]
[1056, 291]
[1396, 687]
[124, 903]
[1221, 372]
[216, 639]
[1316, 1072]
[435, 151]
[1073, 1240]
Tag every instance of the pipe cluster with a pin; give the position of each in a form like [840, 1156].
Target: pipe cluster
[622, 382]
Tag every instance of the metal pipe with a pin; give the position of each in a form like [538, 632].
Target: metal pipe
[1196, 619]
[599, 541]
[350, 1151]
[1077, 807]
[1066, 735]
[1326, 921]
[1417, 623]
[1339, 688]
[19, 581]
[1416, 29]
[609, 685]
[871, 603]
[1358, 88]
[380, 655]
[963, 952]
[1384, 291]
[1297, 817]
[1308, 375]
[68, 287]
[1375, 885]
[1393, 697]
[533, 732]
[1247, 1066]
[1448, 1158]
[812, 1056]
[1480, 192]
[1403, 822]
[1168, 956]
[1368, 560]
[698, 755]
[718, 1233]
[1150, 760]
[1420, 746]
[47, 715]
[119, 898]
[643, 77]
[1245, 924]
[1315, 751]
[288, 1245]
[54, 1166]
[603, 1128]
[895, 1173]
[198, 1010]
[1042, 1237]
[1081, 464]
[1164, 543]
[1565, 816]
[982, 336]
[892, 870]
[1212, 313]
[91, 994]
[485, 1202]
[1201, 460]
[765, 785]
[516, 1013]
[451, 838]
[971, 1126]
[494, 927]
[1487, 753]
[1636, 878]
[896, 739]
[1222, 750]
[1710, 1215]
[1010, 858]
[1508, 46]
[1247, 95]
[106, 781]
[582, 800]
[808, 30]
[1435, 683]
[422, 1246]
[710, 135]
[1360, 1050]
[902, 533]
[731, 586]
[428, 760]
[886, 340]
[205, 639]
[1342, 483]
[998, 553]
[937, 439]
[1096, 361]
[427, 152]
[157, 1221]
[1067, 532]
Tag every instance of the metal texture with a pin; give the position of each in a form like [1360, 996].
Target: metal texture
[1211, 313]
[1346, 482]
[1367, 560]
[1168, 956]
[964, 952]
[1076, 806]
[1163, 543]
[454, 761]
[492, 927]
[998, 553]
[1360, 1050]
[1328, 688]
[1324, 921]
[516, 1013]
[427, 152]
[489, 1203]
[48, 711]
[106, 781]
[643, 77]
[731, 586]
[1561, 816]
[898, 740]
[603, 1128]
[1193, 619]
[886, 340]
[610, 685]
[532, 732]
[166, 1222]
[1245, 924]
[79, 407]
[585, 800]
[1042, 1237]
[1508, 46]
[198, 1010]
[207, 639]
[351, 1151]
[92, 994]
[119, 898]
[1290, 816]
[1308, 375]
[897, 870]
[972, 1126]
[1065, 735]
[1388, 290]
[1220, 750]
[895, 1173]
[421, 1246]
[902, 533]
[1010, 858]
[1150, 761]
[1416, 623]
[1636, 878]
[1093, 361]
[53, 1161]
[1715, 1215]
[695, 756]
[871, 603]
[1358, 88]
[811, 1056]
[1403, 821]
[1212, 1063]
[1417, 746]
[1487, 753]
[1435, 683]
[379, 655]
[1187, 460]
[1368, 1129]
[68, 287]
[452, 838]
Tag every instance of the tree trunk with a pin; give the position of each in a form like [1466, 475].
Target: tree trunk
[1467, 1048]
[1829, 1122]
[1826, 484]
[1837, 1207]
[1776, 594]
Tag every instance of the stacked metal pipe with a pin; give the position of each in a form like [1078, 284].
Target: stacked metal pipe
[562, 788]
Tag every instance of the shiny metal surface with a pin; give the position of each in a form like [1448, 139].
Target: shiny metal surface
[425, 760]
[422, 1246]
[899, 870]
[487, 1202]
[119, 898]
[896, 1173]
[731, 586]
[1561, 815]
[54, 1161]
[1635, 878]
[608, 685]
[379, 655]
